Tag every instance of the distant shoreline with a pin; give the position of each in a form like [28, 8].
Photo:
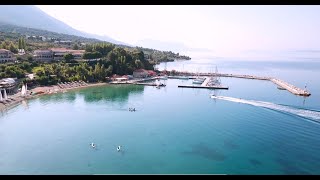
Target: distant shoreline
[47, 90]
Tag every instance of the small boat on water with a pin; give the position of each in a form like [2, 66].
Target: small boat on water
[198, 80]
[281, 88]
[118, 148]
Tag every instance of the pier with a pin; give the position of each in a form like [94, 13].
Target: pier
[290, 88]
[280, 83]
[140, 82]
[149, 84]
[205, 85]
[188, 75]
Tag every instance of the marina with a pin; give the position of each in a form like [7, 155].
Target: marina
[282, 85]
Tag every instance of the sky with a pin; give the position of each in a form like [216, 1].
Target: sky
[222, 30]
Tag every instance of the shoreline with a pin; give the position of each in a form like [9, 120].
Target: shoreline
[47, 90]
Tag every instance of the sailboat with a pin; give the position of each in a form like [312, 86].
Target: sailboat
[215, 79]
[23, 90]
[198, 80]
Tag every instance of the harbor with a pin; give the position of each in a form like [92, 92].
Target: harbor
[208, 83]
[282, 85]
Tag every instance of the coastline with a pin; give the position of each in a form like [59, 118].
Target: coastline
[46, 90]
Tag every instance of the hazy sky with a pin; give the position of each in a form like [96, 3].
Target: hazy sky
[226, 30]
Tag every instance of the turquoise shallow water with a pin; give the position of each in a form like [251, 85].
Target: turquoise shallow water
[173, 131]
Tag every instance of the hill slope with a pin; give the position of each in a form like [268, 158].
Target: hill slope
[33, 17]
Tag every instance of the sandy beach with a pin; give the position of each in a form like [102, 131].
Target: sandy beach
[16, 99]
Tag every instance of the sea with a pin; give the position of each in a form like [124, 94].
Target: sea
[257, 129]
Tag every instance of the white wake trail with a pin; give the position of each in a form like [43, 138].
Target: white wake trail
[313, 115]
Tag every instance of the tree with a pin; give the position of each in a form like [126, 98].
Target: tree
[4, 45]
[20, 43]
[75, 47]
[30, 58]
[68, 57]
[138, 64]
[23, 43]
[89, 48]
[91, 55]
[12, 48]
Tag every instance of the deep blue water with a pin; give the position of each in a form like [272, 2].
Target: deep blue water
[173, 131]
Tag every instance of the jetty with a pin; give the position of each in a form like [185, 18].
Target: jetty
[280, 83]
[149, 84]
[203, 87]
[291, 88]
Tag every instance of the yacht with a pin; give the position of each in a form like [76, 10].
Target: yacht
[198, 80]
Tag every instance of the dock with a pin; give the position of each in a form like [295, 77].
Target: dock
[205, 82]
[149, 84]
[280, 83]
[204, 87]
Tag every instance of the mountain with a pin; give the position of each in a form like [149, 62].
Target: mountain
[33, 17]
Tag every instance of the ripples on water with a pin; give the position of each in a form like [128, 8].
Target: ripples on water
[173, 131]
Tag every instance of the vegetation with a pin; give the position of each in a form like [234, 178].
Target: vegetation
[104, 58]
[115, 60]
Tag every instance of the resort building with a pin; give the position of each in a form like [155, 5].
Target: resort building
[8, 84]
[6, 56]
[21, 52]
[43, 55]
[140, 73]
[56, 54]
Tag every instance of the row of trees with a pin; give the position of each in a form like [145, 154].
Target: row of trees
[21, 43]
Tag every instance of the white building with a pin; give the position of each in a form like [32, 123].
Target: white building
[21, 51]
[6, 56]
[43, 55]
[56, 54]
